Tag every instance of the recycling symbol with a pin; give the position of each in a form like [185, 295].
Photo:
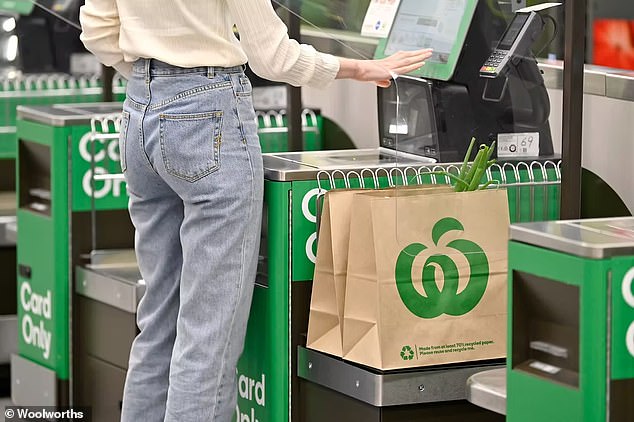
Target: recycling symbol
[407, 353]
[448, 300]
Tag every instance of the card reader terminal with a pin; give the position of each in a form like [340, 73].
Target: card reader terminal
[514, 45]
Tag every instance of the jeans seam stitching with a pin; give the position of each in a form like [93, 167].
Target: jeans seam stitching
[135, 104]
[146, 158]
[190, 93]
[239, 295]
[122, 147]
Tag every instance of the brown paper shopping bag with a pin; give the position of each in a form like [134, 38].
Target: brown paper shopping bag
[325, 323]
[329, 282]
[426, 278]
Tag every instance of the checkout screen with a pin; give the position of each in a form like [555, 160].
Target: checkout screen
[426, 24]
[513, 31]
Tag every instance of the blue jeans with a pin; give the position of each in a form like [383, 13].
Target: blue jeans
[193, 166]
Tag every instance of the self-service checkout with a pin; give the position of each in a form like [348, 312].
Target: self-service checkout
[482, 82]
[467, 88]
[424, 118]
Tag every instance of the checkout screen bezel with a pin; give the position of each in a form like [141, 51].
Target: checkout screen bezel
[435, 70]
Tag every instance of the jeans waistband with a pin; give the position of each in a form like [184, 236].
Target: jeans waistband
[153, 67]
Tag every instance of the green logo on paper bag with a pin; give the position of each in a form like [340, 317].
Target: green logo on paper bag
[448, 300]
[407, 353]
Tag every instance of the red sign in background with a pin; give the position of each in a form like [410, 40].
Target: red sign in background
[614, 43]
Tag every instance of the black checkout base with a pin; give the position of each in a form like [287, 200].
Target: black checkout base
[321, 404]
[5, 380]
[334, 390]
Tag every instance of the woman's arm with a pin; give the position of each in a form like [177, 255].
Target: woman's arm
[272, 55]
[100, 33]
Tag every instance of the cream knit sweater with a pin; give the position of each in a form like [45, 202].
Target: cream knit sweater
[190, 33]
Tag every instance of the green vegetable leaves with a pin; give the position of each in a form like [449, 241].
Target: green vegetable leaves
[471, 173]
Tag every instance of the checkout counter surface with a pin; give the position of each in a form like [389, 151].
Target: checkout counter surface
[67, 114]
[592, 238]
[305, 166]
[598, 80]
[487, 389]
[113, 278]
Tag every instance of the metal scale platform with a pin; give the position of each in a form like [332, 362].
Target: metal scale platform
[292, 166]
[113, 278]
[7, 219]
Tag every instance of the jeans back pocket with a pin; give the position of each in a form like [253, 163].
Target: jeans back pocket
[190, 144]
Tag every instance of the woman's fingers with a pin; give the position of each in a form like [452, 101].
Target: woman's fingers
[399, 63]
[407, 61]
[408, 68]
[412, 53]
[412, 56]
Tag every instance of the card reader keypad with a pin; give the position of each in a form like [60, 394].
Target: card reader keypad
[494, 61]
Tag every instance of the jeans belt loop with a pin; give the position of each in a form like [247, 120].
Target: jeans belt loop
[211, 72]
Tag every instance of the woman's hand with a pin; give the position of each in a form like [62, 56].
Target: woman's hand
[382, 70]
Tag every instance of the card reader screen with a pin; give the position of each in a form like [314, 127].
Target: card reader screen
[513, 31]
[427, 24]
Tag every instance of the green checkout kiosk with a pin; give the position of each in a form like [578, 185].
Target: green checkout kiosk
[15, 90]
[571, 324]
[425, 122]
[65, 213]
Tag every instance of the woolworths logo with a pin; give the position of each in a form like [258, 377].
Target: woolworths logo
[448, 300]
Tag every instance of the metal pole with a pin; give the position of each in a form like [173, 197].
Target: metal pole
[294, 94]
[572, 122]
[107, 74]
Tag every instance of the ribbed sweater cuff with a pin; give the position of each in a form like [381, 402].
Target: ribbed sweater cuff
[326, 69]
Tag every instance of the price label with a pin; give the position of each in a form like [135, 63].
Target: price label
[379, 18]
[518, 144]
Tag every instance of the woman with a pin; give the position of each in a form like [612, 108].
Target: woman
[191, 158]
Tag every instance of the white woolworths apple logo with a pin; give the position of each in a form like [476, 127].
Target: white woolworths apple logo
[103, 150]
[310, 243]
[628, 296]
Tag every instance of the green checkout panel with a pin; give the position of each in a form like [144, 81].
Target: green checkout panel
[65, 214]
[571, 324]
